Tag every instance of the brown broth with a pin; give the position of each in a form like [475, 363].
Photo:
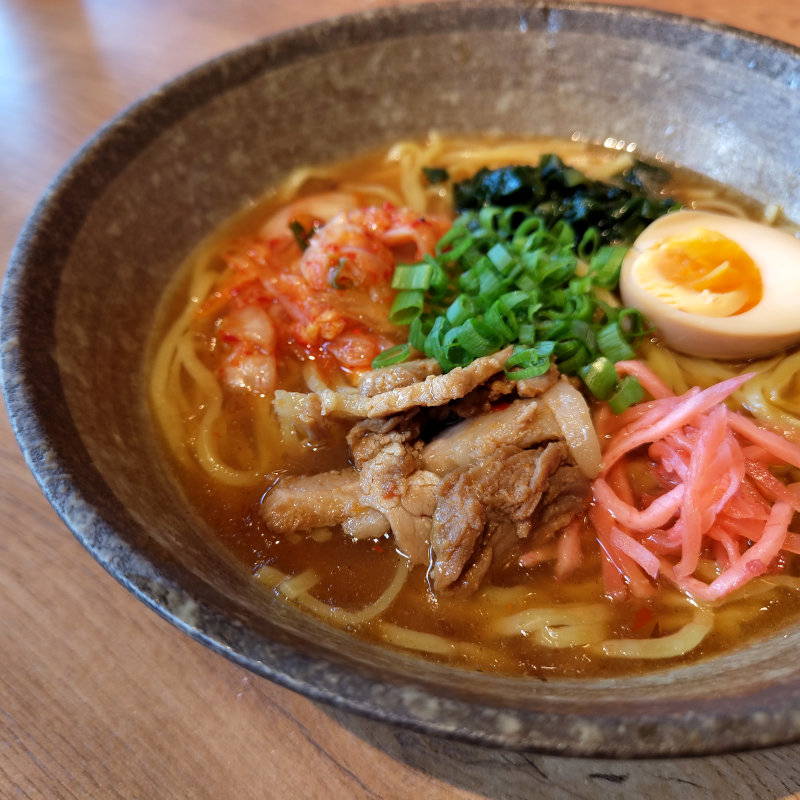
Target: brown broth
[354, 574]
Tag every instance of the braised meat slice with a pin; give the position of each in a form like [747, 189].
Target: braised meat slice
[369, 524]
[386, 453]
[483, 498]
[527, 387]
[372, 439]
[434, 390]
[523, 424]
[567, 496]
[386, 490]
[461, 468]
[304, 502]
[484, 398]
[378, 381]
[299, 417]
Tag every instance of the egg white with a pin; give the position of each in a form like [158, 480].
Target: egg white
[771, 325]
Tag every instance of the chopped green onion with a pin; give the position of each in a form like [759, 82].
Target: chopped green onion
[458, 234]
[605, 266]
[487, 218]
[632, 323]
[509, 218]
[500, 318]
[600, 377]
[394, 355]
[434, 343]
[453, 349]
[629, 391]
[500, 257]
[478, 338]
[612, 343]
[440, 281]
[412, 276]
[301, 235]
[580, 306]
[527, 333]
[530, 226]
[557, 269]
[562, 232]
[527, 283]
[571, 355]
[418, 332]
[528, 263]
[589, 244]
[461, 309]
[491, 284]
[515, 300]
[337, 279]
[529, 363]
[406, 307]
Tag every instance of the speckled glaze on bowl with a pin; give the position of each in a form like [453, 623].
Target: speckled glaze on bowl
[93, 261]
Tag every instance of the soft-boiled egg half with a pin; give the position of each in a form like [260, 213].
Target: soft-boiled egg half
[716, 286]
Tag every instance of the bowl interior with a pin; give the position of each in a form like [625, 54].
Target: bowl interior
[91, 266]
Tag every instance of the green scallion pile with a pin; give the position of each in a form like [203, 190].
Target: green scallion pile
[522, 273]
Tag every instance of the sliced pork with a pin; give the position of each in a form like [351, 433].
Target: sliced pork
[461, 468]
[434, 390]
[523, 423]
[378, 381]
[505, 487]
[305, 502]
[386, 455]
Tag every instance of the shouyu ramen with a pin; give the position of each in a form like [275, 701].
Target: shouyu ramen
[407, 393]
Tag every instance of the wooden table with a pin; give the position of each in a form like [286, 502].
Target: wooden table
[101, 698]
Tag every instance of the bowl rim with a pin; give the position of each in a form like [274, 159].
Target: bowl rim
[620, 735]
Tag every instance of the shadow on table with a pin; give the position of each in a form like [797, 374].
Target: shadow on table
[503, 775]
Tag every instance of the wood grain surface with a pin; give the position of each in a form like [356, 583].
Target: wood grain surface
[98, 696]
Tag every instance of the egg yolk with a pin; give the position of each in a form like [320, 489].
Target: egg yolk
[701, 272]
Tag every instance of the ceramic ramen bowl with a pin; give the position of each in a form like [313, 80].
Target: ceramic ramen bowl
[94, 260]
